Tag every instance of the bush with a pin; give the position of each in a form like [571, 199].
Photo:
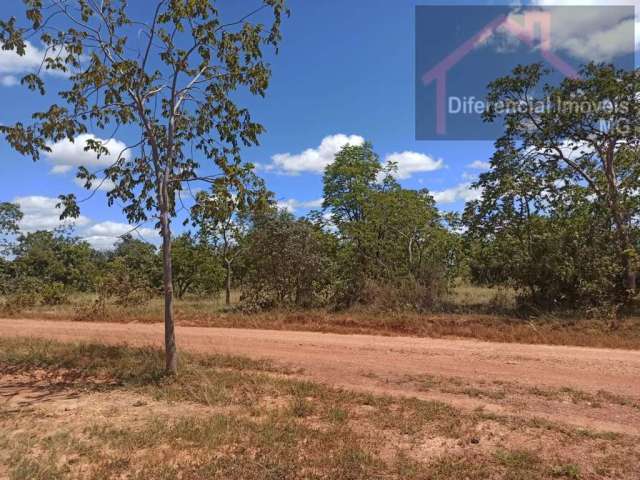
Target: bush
[17, 302]
[290, 264]
[126, 286]
[402, 295]
[54, 294]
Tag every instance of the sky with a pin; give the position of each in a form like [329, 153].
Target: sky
[345, 73]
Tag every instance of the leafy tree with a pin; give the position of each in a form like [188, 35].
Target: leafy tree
[348, 182]
[388, 234]
[290, 262]
[10, 216]
[53, 257]
[140, 259]
[405, 234]
[224, 214]
[585, 138]
[555, 246]
[196, 268]
[168, 79]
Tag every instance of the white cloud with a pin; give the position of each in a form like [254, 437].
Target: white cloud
[479, 165]
[116, 229]
[103, 184]
[291, 205]
[463, 192]
[12, 64]
[409, 163]
[40, 213]
[100, 243]
[61, 169]
[9, 81]
[313, 160]
[66, 154]
[103, 235]
[598, 35]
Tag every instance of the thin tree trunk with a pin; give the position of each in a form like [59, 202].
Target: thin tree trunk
[227, 298]
[624, 241]
[171, 354]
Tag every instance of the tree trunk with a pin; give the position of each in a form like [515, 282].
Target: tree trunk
[622, 230]
[227, 297]
[171, 354]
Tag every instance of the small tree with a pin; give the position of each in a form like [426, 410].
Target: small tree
[389, 235]
[10, 216]
[196, 268]
[224, 214]
[168, 79]
[55, 257]
[290, 262]
[140, 259]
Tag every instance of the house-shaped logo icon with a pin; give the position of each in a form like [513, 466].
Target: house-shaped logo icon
[533, 21]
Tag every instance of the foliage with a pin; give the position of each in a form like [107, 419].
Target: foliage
[10, 216]
[388, 235]
[54, 257]
[140, 260]
[561, 200]
[289, 262]
[224, 214]
[196, 268]
[557, 261]
[125, 284]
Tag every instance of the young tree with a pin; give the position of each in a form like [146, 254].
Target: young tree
[10, 216]
[290, 262]
[196, 268]
[167, 79]
[223, 214]
[582, 133]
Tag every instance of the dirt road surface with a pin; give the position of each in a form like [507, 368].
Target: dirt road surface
[596, 389]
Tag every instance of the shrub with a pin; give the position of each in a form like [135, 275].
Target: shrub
[290, 264]
[54, 294]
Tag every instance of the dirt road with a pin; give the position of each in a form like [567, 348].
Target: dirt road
[597, 389]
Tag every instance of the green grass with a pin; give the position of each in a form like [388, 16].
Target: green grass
[228, 417]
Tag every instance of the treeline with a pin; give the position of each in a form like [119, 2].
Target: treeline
[373, 243]
[557, 221]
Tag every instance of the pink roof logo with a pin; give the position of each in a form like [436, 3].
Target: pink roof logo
[526, 31]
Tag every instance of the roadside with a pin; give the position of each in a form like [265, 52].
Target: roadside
[585, 387]
[93, 411]
[469, 322]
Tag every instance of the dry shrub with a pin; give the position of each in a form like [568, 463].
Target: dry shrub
[54, 293]
[403, 295]
[94, 310]
[20, 301]
[29, 292]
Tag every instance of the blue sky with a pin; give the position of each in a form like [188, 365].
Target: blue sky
[345, 72]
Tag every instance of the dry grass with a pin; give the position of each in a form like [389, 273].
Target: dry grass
[460, 318]
[92, 411]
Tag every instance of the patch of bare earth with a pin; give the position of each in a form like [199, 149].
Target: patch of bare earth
[54, 424]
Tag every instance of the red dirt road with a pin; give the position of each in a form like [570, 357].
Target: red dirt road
[467, 371]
